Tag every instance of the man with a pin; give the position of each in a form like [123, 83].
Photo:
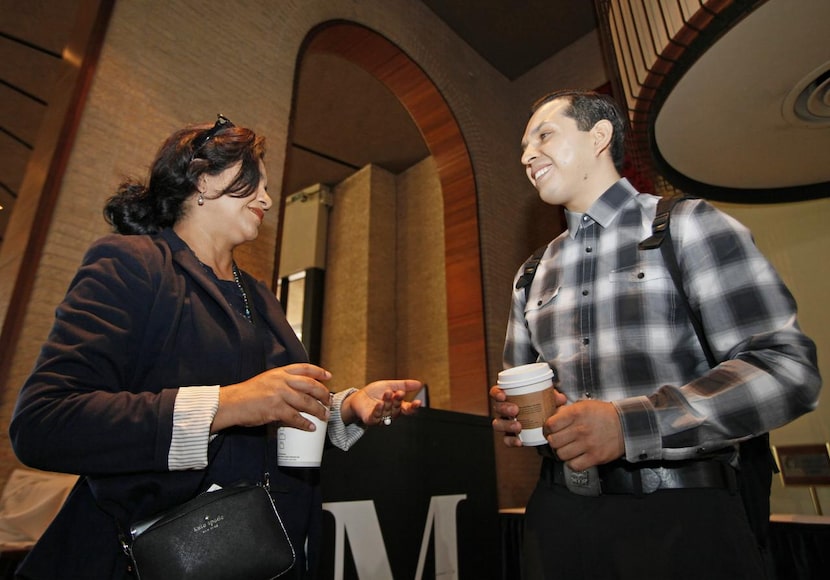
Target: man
[638, 400]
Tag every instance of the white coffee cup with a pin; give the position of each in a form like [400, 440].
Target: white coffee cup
[530, 387]
[298, 448]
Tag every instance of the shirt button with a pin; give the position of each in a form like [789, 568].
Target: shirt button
[642, 456]
[586, 340]
[584, 292]
[539, 303]
[641, 275]
[589, 249]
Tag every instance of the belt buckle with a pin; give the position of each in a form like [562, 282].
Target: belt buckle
[582, 482]
[650, 479]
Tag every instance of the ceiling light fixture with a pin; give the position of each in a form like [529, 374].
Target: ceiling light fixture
[808, 103]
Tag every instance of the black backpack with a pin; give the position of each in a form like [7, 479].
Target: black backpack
[756, 459]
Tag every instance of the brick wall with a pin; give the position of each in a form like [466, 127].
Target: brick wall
[166, 64]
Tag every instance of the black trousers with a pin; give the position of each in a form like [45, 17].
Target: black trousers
[699, 534]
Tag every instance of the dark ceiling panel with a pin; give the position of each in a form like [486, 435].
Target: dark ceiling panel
[515, 36]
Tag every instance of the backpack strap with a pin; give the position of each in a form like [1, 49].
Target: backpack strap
[660, 232]
[660, 225]
[529, 270]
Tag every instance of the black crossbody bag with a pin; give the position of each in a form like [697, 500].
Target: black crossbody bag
[226, 534]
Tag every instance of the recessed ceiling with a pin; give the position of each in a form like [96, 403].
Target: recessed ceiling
[344, 119]
[753, 112]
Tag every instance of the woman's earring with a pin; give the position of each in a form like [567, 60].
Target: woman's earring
[201, 200]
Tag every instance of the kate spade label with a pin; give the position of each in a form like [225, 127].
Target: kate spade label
[210, 523]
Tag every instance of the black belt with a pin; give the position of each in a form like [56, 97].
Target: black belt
[621, 477]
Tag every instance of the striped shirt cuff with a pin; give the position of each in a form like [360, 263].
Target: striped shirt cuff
[193, 413]
[341, 435]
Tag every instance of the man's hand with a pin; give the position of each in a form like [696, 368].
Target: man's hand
[505, 415]
[585, 434]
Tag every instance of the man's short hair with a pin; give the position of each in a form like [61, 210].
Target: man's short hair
[587, 108]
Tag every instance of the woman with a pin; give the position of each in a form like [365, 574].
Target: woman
[166, 364]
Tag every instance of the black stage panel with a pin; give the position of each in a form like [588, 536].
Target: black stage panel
[437, 467]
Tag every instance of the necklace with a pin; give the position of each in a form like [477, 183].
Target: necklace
[236, 278]
[238, 281]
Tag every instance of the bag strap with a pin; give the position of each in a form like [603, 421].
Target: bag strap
[660, 225]
[660, 233]
[529, 270]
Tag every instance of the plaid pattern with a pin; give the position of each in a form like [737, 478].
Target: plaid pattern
[606, 316]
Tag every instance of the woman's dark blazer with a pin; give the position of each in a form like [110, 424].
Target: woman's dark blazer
[141, 319]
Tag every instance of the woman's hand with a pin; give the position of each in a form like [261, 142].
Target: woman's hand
[380, 399]
[278, 394]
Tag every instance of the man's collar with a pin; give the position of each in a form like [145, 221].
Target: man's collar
[604, 209]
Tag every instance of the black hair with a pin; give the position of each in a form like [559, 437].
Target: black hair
[139, 208]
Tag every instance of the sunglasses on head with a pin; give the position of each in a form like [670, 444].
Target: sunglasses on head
[222, 122]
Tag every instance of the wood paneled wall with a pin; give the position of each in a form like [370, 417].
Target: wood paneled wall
[46, 66]
[32, 38]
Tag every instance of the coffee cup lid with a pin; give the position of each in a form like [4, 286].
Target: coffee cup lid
[525, 374]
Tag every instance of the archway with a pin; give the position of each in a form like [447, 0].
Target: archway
[442, 135]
